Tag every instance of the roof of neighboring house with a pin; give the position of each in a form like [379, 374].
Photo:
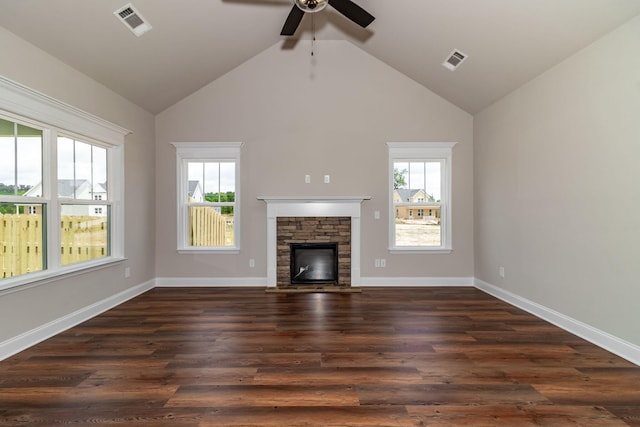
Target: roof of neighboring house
[66, 187]
[406, 194]
[193, 184]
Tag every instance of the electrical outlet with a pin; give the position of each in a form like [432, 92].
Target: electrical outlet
[327, 179]
[252, 263]
[127, 272]
[376, 215]
[501, 272]
[377, 263]
[307, 179]
[383, 263]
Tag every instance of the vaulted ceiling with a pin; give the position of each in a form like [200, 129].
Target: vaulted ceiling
[193, 42]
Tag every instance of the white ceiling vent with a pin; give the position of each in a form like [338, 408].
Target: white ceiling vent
[132, 19]
[454, 59]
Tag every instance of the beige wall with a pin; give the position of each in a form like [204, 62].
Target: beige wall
[28, 308]
[327, 114]
[544, 156]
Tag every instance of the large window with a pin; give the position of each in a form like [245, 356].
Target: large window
[60, 193]
[208, 196]
[420, 196]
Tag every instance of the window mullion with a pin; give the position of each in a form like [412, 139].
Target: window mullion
[50, 191]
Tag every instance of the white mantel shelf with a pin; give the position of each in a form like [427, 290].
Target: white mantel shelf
[303, 206]
[314, 199]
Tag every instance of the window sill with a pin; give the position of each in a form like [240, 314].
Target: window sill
[415, 250]
[30, 280]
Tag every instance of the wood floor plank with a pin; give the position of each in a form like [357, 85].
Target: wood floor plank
[332, 376]
[259, 395]
[353, 416]
[513, 416]
[384, 357]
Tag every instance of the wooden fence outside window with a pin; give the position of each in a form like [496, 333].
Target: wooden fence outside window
[208, 227]
[21, 241]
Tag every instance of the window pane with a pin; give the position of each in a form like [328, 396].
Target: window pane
[20, 160]
[66, 172]
[400, 174]
[21, 239]
[195, 178]
[7, 164]
[212, 181]
[99, 173]
[83, 165]
[82, 170]
[211, 226]
[227, 177]
[413, 231]
[29, 161]
[83, 233]
[416, 199]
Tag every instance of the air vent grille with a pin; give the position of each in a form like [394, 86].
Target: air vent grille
[454, 60]
[132, 19]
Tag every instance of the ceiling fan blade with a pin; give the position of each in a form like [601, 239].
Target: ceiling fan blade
[292, 22]
[353, 12]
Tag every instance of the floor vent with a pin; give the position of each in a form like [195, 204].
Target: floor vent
[132, 19]
[454, 60]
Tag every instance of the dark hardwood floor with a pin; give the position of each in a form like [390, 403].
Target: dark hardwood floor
[385, 357]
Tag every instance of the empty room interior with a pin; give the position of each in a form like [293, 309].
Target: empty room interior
[320, 212]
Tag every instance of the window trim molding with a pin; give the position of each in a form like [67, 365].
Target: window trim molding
[205, 151]
[30, 103]
[423, 151]
[57, 118]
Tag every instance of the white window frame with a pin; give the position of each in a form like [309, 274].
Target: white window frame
[25, 105]
[424, 151]
[204, 151]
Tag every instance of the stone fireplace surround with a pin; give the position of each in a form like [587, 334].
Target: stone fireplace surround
[312, 207]
[312, 229]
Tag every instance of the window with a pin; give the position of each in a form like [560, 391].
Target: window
[60, 194]
[420, 181]
[208, 197]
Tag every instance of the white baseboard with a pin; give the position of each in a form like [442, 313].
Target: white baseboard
[615, 345]
[416, 281]
[30, 338]
[188, 282]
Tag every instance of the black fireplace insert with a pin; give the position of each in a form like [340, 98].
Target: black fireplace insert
[314, 263]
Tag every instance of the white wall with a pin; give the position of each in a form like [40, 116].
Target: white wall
[327, 114]
[557, 191]
[27, 308]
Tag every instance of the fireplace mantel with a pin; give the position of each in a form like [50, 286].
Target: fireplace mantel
[312, 206]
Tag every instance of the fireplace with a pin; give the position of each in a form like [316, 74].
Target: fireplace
[309, 234]
[316, 216]
[313, 263]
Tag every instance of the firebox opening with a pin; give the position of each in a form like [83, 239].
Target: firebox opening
[314, 263]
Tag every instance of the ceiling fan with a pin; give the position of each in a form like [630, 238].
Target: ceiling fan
[346, 7]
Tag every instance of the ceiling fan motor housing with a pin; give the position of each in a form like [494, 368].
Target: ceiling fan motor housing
[311, 6]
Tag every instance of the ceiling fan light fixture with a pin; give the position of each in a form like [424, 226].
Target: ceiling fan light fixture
[311, 6]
